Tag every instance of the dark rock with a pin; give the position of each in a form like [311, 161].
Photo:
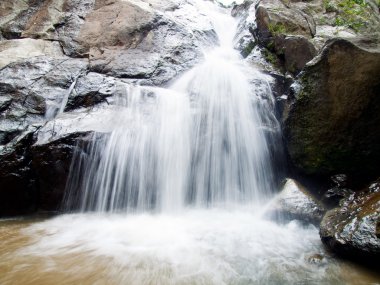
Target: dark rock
[51, 164]
[352, 230]
[340, 180]
[296, 50]
[18, 193]
[334, 124]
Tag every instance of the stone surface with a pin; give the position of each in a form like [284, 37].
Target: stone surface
[353, 229]
[295, 202]
[16, 50]
[303, 27]
[333, 126]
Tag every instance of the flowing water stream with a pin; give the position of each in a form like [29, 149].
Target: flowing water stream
[175, 194]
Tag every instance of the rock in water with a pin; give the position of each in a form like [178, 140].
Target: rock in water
[294, 202]
[334, 124]
[353, 230]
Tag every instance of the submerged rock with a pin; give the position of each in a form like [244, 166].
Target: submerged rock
[294, 202]
[333, 126]
[353, 229]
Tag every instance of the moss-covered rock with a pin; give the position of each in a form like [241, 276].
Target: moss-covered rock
[334, 124]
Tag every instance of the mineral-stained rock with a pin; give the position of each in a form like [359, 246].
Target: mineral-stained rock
[353, 229]
[334, 124]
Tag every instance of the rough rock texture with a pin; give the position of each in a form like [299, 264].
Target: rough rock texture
[353, 229]
[139, 39]
[15, 50]
[292, 32]
[334, 124]
[294, 202]
[62, 65]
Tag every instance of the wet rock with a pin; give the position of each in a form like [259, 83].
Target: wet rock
[148, 46]
[352, 230]
[316, 259]
[36, 87]
[51, 166]
[92, 89]
[339, 191]
[294, 202]
[333, 126]
[147, 40]
[18, 193]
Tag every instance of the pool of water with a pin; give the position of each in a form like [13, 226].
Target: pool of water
[211, 246]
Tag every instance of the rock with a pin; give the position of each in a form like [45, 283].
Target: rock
[293, 32]
[147, 40]
[18, 193]
[150, 46]
[353, 230]
[51, 167]
[339, 191]
[333, 126]
[92, 89]
[36, 88]
[15, 50]
[296, 50]
[316, 259]
[294, 202]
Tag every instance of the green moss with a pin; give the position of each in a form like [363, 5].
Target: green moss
[350, 13]
[248, 49]
[270, 57]
[277, 29]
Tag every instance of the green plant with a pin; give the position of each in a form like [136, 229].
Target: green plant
[277, 29]
[350, 13]
[270, 57]
[329, 6]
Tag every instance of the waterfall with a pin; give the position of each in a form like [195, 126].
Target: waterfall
[202, 142]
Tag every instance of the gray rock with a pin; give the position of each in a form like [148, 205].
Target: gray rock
[294, 202]
[353, 230]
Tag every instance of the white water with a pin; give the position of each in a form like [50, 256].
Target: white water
[201, 142]
[204, 246]
[188, 153]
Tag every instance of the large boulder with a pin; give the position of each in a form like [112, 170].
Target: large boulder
[147, 40]
[353, 229]
[62, 65]
[333, 126]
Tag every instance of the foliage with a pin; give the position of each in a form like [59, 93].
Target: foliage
[350, 13]
[277, 29]
[270, 57]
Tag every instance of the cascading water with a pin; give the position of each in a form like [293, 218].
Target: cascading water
[201, 142]
[188, 153]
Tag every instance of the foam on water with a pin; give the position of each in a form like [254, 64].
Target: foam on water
[197, 246]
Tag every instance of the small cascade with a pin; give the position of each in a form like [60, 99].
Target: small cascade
[202, 142]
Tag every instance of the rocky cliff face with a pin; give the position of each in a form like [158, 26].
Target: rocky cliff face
[329, 50]
[325, 58]
[61, 63]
